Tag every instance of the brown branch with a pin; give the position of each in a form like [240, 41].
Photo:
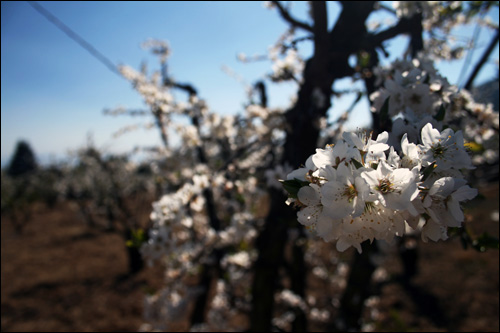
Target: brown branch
[386, 8]
[294, 42]
[261, 89]
[320, 30]
[210, 271]
[416, 32]
[160, 123]
[186, 87]
[287, 17]
[301, 140]
[167, 82]
[482, 61]
[404, 26]
[358, 289]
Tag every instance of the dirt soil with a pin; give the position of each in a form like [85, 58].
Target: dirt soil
[60, 276]
[455, 290]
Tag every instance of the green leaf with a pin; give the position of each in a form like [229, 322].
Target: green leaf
[243, 246]
[481, 243]
[427, 79]
[356, 163]
[463, 234]
[374, 165]
[293, 186]
[441, 112]
[240, 198]
[138, 237]
[464, 240]
[384, 111]
[364, 59]
[428, 170]
[485, 241]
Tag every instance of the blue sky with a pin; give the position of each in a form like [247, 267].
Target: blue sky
[53, 91]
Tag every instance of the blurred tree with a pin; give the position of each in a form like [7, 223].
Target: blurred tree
[18, 187]
[23, 162]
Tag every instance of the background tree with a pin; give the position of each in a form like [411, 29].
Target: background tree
[23, 161]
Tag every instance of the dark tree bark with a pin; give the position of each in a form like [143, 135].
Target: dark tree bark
[357, 291]
[329, 62]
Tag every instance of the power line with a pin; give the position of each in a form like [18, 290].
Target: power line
[470, 51]
[74, 36]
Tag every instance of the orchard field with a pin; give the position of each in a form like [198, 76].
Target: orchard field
[60, 276]
[302, 216]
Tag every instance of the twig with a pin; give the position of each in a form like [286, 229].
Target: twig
[287, 17]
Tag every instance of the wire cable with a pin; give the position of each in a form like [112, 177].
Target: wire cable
[74, 36]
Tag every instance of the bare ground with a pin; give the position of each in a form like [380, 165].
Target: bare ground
[60, 276]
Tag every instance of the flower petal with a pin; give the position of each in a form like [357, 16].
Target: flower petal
[308, 195]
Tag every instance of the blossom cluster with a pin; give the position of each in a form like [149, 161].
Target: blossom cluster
[416, 94]
[442, 20]
[183, 238]
[181, 233]
[363, 189]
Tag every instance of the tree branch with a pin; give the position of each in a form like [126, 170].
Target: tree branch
[357, 290]
[349, 32]
[167, 82]
[386, 8]
[405, 25]
[287, 17]
[320, 29]
[160, 123]
[261, 88]
[416, 41]
[482, 61]
[186, 87]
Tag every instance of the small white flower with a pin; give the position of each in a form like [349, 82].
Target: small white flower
[418, 99]
[302, 173]
[365, 144]
[333, 156]
[445, 148]
[411, 153]
[310, 196]
[325, 174]
[442, 202]
[394, 188]
[346, 195]
[434, 231]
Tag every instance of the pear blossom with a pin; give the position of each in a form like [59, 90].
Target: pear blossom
[411, 154]
[363, 189]
[445, 148]
[346, 195]
[334, 155]
[310, 196]
[394, 188]
[365, 144]
[301, 173]
[442, 202]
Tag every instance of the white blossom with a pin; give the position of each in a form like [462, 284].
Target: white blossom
[445, 148]
[362, 189]
[346, 195]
